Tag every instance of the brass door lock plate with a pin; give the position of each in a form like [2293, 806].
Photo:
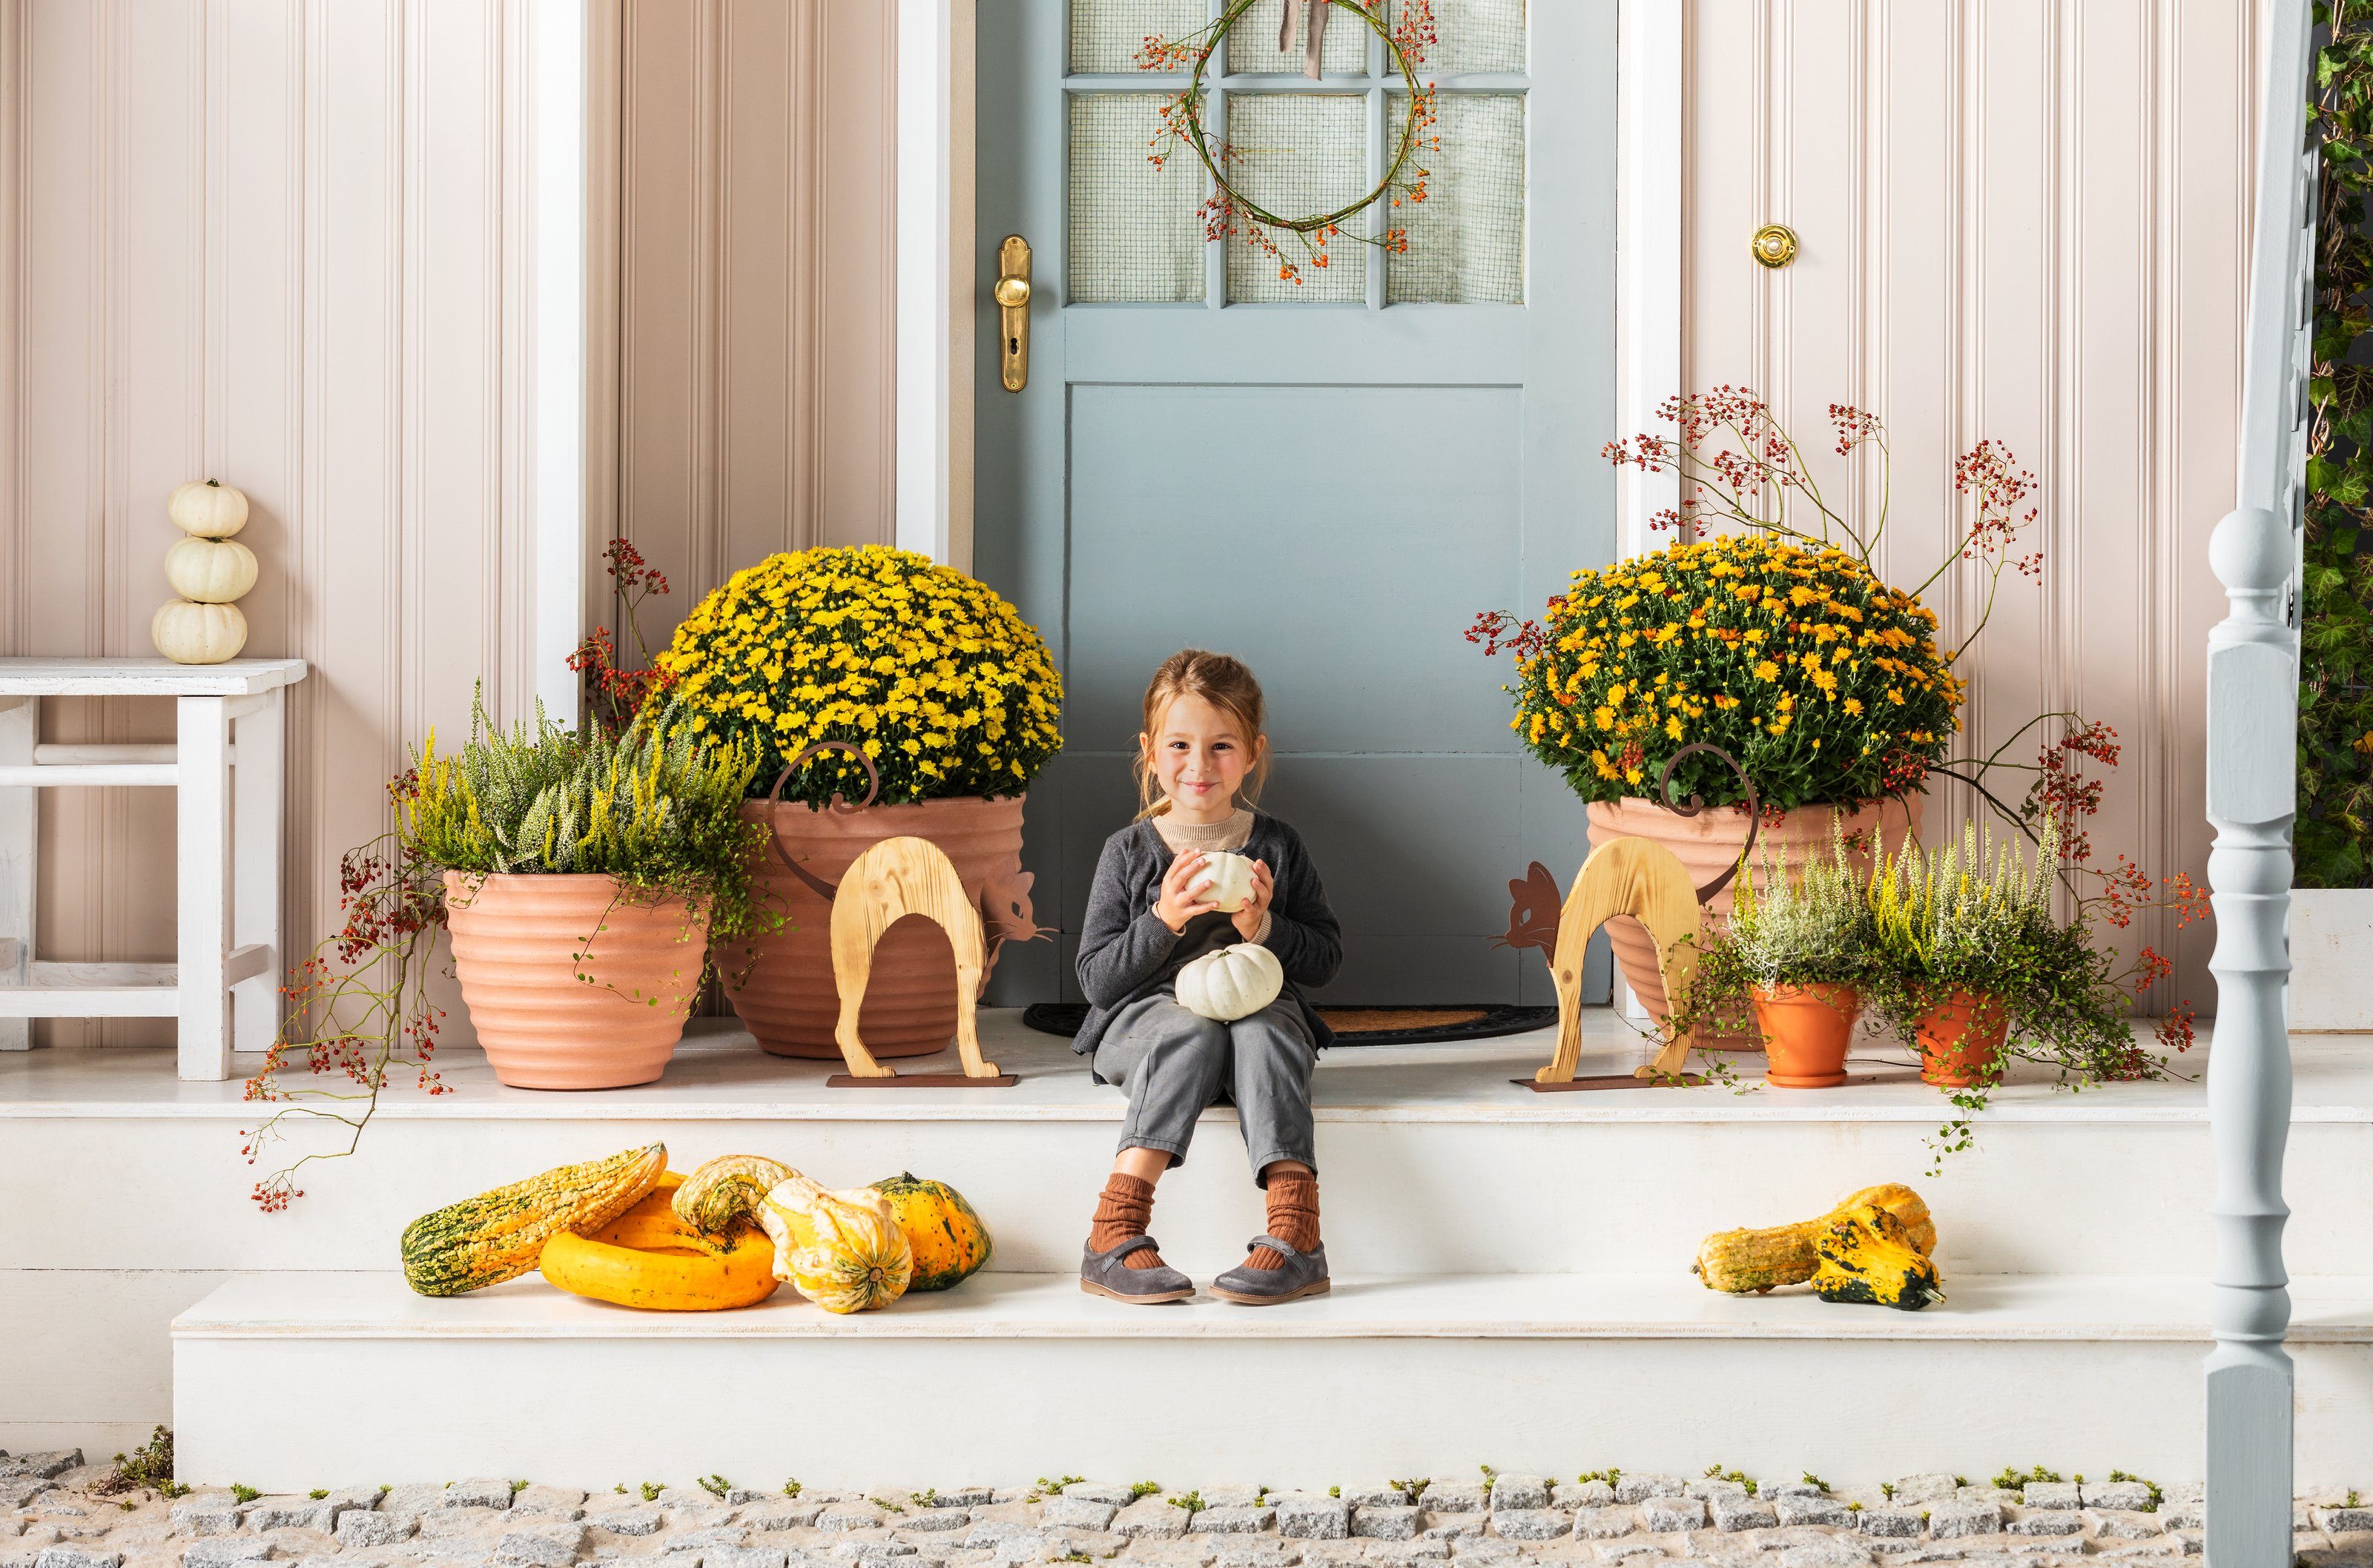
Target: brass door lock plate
[1013, 293]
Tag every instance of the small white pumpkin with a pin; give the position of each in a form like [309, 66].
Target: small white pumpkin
[1235, 982]
[1226, 881]
[208, 508]
[198, 634]
[210, 571]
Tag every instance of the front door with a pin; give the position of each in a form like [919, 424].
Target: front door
[1328, 478]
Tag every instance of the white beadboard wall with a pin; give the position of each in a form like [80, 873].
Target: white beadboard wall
[277, 242]
[2024, 219]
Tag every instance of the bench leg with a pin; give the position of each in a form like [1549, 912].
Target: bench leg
[255, 876]
[202, 741]
[20, 727]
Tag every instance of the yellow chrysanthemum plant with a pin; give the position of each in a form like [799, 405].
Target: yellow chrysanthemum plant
[1824, 683]
[1778, 643]
[935, 677]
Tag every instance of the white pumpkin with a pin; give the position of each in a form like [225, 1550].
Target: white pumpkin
[1226, 880]
[210, 571]
[208, 508]
[1235, 982]
[198, 634]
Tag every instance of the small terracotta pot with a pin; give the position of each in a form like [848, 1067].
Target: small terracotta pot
[1961, 1038]
[521, 943]
[786, 997]
[1707, 844]
[1806, 1030]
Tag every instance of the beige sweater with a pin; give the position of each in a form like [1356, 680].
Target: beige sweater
[1212, 838]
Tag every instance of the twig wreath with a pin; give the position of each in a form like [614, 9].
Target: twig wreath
[1228, 210]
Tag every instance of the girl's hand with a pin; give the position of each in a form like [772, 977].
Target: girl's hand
[1179, 901]
[1248, 919]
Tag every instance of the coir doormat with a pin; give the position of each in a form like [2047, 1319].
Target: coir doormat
[1356, 1026]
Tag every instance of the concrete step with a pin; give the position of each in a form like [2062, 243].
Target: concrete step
[1433, 1161]
[284, 1380]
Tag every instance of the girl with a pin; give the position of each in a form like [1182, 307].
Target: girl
[1202, 752]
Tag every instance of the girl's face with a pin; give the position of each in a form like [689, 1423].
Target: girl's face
[1200, 757]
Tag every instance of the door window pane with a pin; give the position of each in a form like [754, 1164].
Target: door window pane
[1134, 237]
[1106, 34]
[1474, 35]
[1466, 239]
[1297, 153]
[1253, 51]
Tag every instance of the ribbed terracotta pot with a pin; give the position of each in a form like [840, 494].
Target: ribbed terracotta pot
[522, 942]
[1961, 1037]
[1708, 843]
[787, 998]
[1805, 1031]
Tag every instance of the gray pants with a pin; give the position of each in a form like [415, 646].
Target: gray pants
[1174, 1064]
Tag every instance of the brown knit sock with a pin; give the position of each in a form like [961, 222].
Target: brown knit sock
[1292, 1219]
[1123, 1210]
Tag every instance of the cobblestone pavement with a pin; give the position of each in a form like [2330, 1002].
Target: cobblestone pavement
[50, 1517]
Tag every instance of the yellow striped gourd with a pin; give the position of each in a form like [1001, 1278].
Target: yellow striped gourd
[1738, 1261]
[1869, 1256]
[499, 1235]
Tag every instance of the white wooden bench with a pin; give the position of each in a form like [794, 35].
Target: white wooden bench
[226, 842]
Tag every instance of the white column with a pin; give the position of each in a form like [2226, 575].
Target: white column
[556, 387]
[256, 797]
[20, 728]
[202, 756]
[2252, 796]
[925, 102]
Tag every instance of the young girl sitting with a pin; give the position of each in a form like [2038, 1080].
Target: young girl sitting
[1200, 762]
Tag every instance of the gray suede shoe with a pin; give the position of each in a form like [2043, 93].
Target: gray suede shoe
[1104, 1273]
[1305, 1274]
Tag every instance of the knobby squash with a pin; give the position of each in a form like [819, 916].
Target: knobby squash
[1738, 1261]
[649, 1258]
[1870, 1256]
[727, 1189]
[500, 1235]
[948, 1240]
[842, 1250]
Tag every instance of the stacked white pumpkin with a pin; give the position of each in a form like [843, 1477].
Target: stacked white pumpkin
[211, 571]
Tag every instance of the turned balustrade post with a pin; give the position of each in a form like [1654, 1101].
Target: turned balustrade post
[2251, 797]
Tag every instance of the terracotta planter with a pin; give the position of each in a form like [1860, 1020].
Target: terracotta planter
[1805, 1031]
[1707, 844]
[522, 942]
[1959, 1040]
[786, 998]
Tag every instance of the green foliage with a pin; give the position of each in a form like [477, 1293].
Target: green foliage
[1716, 1472]
[1816, 1482]
[1190, 1501]
[791, 1488]
[320, 1491]
[1146, 1489]
[651, 1489]
[150, 1466]
[2011, 1480]
[649, 805]
[1810, 929]
[717, 1486]
[2157, 1497]
[244, 1493]
[1610, 1475]
[2334, 836]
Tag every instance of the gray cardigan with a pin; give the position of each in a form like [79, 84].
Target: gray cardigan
[1126, 953]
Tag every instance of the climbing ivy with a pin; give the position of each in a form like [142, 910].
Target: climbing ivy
[2334, 832]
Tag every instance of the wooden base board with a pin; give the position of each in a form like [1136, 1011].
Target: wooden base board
[1621, 1080]
[920, 1081]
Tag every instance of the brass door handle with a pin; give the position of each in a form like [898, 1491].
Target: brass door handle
[1013, 294]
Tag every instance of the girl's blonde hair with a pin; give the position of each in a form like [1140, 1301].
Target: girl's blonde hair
[1227, 685]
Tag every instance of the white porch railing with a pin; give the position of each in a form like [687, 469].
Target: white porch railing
[2253, 792]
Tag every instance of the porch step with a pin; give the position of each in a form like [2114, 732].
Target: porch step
[282, 1380]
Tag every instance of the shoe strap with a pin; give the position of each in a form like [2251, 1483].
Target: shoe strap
[1134, 1244]
[1274, 1245]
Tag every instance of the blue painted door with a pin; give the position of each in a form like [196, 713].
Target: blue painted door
[1327, 479]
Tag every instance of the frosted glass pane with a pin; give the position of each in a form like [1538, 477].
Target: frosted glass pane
[1106, 34]
[1466, 239]
[1135, 235]
[1472, 35]
[1298, 154]
[1252, 45]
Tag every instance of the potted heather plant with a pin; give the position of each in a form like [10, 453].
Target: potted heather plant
[881, 695]
[1798, 948]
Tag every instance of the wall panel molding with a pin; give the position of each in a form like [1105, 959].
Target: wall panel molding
[2009, 230]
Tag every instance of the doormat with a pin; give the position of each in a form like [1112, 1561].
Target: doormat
[1356, 1026]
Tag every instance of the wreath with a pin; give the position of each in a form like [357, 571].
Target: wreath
[1228, 210]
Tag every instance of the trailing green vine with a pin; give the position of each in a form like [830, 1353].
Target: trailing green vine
[2334, 832]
